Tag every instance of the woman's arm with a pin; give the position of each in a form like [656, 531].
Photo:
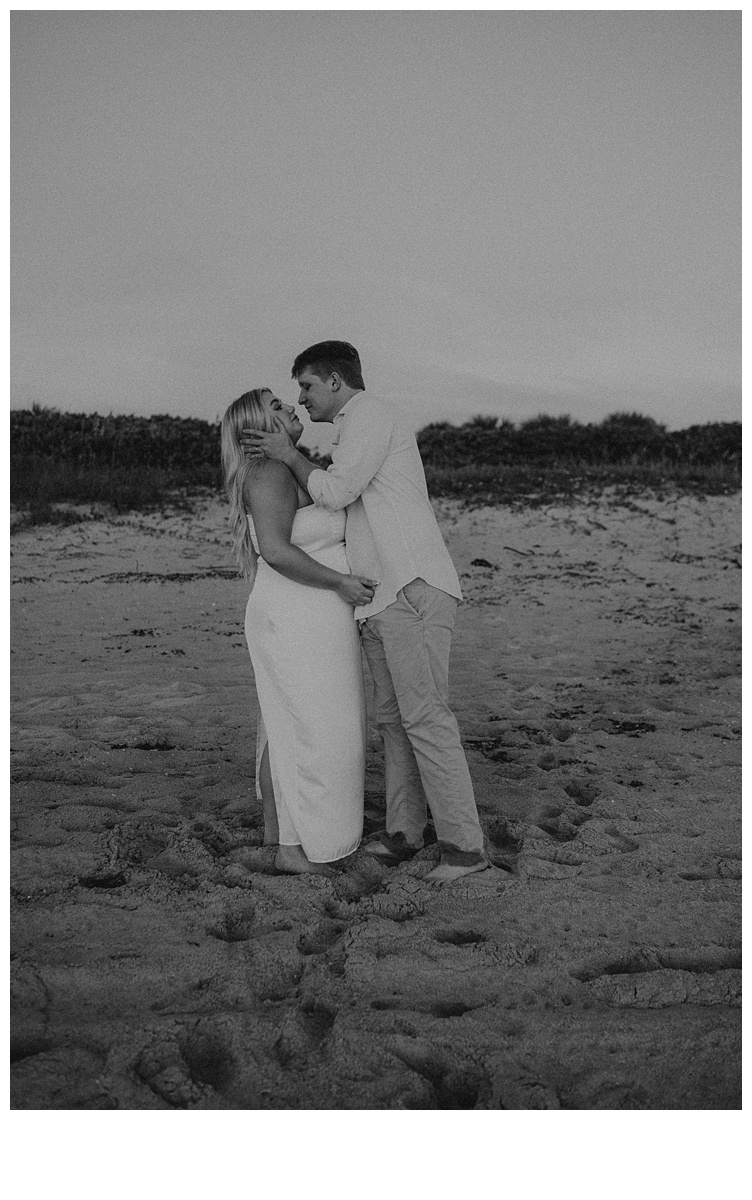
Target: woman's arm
[271, 497]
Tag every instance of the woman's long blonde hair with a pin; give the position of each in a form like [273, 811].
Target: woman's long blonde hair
[248, 412]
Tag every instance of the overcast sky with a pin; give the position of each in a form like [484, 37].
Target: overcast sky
[506, 212]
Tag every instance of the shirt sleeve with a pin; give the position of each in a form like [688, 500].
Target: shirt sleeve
[363, 446]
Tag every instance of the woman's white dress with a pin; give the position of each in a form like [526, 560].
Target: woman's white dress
[305, 652]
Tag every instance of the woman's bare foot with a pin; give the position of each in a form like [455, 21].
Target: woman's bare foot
[444, 873]
[293, 861]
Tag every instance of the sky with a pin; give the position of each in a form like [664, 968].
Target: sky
[507, 212]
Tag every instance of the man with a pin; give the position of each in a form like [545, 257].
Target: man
[392, 536]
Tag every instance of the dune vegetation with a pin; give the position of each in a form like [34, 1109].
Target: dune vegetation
[59, 460]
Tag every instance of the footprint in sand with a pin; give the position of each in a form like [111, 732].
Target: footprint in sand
[582, 792]
[234, 924]
[561, 823]
[321, 936]
[622, 843]
[459, 937]
[163, 1069]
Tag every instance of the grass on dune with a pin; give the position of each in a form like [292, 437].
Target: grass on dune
[38, 485]
[534, 484]
[142, 463]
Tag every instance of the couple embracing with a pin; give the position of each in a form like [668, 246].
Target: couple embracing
[337, 557]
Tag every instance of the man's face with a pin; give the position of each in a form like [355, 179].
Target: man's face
[317, 396]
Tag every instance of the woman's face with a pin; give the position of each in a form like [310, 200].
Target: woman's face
[285, 413]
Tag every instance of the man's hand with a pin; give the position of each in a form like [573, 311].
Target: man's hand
[277, 445]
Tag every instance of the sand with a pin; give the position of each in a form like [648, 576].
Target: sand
[160, 963]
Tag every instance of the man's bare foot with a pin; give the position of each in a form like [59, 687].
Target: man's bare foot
[292, 860]
[444, 873]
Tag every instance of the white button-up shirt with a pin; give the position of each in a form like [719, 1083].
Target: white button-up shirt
[377, 475]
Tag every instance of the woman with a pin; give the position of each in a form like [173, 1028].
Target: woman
[304, 646]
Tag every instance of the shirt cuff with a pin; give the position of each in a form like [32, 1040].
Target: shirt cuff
[315, 484]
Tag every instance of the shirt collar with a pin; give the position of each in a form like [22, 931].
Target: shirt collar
[337, 422]
[341, 413]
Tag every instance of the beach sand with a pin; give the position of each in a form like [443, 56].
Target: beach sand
[158, 960]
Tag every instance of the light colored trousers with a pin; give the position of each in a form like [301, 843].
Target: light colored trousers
[407, 648]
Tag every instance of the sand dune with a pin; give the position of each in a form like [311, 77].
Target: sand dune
[160, 963]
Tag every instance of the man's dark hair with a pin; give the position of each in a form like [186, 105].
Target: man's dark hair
[325, 357]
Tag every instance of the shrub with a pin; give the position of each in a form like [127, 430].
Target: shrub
[140, 462]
